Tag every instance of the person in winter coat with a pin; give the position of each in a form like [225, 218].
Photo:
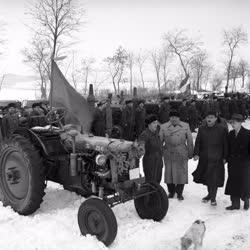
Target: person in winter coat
[152, 159]
[98, 124]
[177, 149]
[211, 151]
[183, 110]
[128, 120]
[164, 110]
[193, 116]
[140, 115]
[238, 183]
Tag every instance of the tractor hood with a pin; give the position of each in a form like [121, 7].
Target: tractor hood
[98, 143]
[102, 143]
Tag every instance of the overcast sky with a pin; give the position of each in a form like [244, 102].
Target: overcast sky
[133, 24]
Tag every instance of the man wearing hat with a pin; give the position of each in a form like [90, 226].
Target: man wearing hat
[211, 151]
[98, 124]
[238, 183]
[177, 149]
[152, 159]
[128, 120]
[10, 121]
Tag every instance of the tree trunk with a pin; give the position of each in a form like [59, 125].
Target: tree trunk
[243, 81]
[142, 79]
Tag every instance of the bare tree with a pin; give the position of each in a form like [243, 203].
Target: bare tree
[38, 57]
[156, 58]
[232, 39]
[183, 47]
[116, 65]
[87, 68]
[56, 21]
[199, 65]
[130, 63]
[140, 60]
[243, 71]
[217, 81]
[164, 61]
[234, 74]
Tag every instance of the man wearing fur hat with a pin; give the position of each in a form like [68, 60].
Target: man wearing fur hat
[238, 183]
[177, 149]
[211, 151]
[152, 159]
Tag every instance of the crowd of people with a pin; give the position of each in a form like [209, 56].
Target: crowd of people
[167, 135]
[172, 143]
[14, 116]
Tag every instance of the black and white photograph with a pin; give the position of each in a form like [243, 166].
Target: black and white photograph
[124, 124]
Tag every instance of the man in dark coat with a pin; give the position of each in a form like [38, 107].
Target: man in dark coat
[193, 116]
[128, 120]
[140, 115]
[233, 106]
[183, 111]
[152, 159]
[211, 150]
[98, 125]
[224, 107]
[238, 183]
[164, 110]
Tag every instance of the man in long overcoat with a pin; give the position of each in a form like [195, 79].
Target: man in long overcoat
[178, 148]
[152, 159]
[238, 183]
[211, 151]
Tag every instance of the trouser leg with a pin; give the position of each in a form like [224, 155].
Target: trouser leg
[179, 189]
[235, 201]
[212, 192]
[171, 188]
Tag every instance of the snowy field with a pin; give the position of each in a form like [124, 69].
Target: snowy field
[54, 225]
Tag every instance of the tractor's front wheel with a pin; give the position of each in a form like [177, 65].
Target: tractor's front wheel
[95, 217]
[22, 179]
[154, 205]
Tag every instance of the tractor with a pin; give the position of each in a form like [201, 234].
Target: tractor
[104, 170]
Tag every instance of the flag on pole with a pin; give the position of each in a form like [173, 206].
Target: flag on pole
[62, 94]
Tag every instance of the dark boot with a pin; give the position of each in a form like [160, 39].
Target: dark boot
[235, 203]
[179, 190]
[246, 204]
[206, 199]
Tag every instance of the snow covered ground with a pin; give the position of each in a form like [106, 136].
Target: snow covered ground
[54, 226]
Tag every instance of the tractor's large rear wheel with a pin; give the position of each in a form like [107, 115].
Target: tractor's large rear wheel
[95, 217]
[22, 179]
[154, 205]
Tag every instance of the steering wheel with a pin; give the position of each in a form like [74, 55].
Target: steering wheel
[55, 116]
